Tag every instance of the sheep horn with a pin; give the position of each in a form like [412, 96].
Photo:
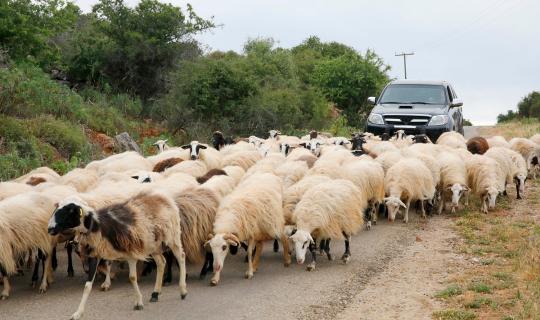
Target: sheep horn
[231, 239]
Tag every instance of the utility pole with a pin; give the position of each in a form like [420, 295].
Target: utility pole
[404, 60]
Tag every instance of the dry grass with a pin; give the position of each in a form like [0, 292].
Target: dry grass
[516, 128]
[505, 247]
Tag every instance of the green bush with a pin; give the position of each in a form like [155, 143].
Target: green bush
[68, 139]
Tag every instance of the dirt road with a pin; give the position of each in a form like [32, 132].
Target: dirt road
[274, 293]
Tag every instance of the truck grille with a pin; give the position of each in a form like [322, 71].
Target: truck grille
[412, 120]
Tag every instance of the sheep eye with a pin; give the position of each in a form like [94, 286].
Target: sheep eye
[224, 247]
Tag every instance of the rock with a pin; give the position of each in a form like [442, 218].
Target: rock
[126, 143]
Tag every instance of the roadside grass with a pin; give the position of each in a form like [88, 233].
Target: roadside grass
[504, 246]
[515, 128]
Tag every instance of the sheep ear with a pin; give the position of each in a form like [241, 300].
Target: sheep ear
[165, 141]
[465, 188]
[90, 223]
[209, 237]
[186, 146]
[135, 177]
[202, 146]
[303, 144]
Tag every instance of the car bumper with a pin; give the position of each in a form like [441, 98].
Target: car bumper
[433, 132]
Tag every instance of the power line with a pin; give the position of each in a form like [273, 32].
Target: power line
[405, 60]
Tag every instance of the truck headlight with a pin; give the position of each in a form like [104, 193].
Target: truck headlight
[375, 118]
[438, 120]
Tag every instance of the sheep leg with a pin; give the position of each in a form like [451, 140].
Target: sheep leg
[251, 246]
[169, 260]
[69, 249]
[406, 215]
[258, 252]
[441, 206]
[374, 213]
[7, 288]
[286, 251]
[160, 265]
[484, 207]
[47, 274]
[54, 260]
[327, 250]
[517, 191]
[466, 194]
[207, 265]
[368, 217]
[92, 268]
[35, 273]
[276, 245]
[106, 285]
[321, 246]
[132, 264]
[422, 209]
[312, 249]
[347, 255]
[180, 256]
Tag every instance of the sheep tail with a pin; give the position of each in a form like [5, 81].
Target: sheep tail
[7, 262]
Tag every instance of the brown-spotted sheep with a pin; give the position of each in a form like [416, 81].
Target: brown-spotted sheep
[253, 213]
[212, 172]
[45, 173]
[132, 231]
[166, 164]
[477, 145]
[327, 211]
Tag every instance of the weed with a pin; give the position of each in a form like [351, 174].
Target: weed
[454, 314]
[450, 291]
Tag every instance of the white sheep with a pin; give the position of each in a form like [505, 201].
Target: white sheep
[161, 145]
[131, 231]
[210, 156]
[529, 150]
[409, 179]
[376, 148]
[235, 172]
[388, 159]
[535, 138]
[80, 179]
[291, 172]
[10, 189]
[293, 194]
[331, 210]
[169, 154]
[195, 168]
[453, 180]
[45, 173]
[243, 159]
[452, 139]
[122, 162]
[512, 167]
[483, 180]
[253, 213]
[237, 147]
[497, 141]
[314, 145]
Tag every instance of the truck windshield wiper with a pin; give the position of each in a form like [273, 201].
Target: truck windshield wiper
[391, 102]
[419, 102]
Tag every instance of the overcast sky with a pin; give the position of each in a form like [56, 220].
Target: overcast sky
[488, 49]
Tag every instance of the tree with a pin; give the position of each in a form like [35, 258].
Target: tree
[528, 107]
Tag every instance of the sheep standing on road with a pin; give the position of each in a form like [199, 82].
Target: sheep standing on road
[497, 141]
[452, 139]
[130, 231]
[483, 180]
[453, 180]
[409, 179]
[328, 211]
[530, 151]
[477, 145]
[512, 167]
[253, 213]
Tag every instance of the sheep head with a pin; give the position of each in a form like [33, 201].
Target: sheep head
[393, 204]
[219, 244]
[72, 213]
[457, 191]
[492, 194]
[161, 145]
[274, 134]
[194, 149]
[301, 240]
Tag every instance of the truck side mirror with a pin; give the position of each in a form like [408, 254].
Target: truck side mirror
[371, 100]
[456, 103]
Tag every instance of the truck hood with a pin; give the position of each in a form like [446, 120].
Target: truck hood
[431, 109]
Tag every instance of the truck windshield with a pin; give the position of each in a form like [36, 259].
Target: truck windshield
[413, 94]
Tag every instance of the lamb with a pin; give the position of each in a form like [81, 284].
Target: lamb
[244, 159]
[477, 145]
[235, 172]
[511, 168]
[166, 164]
[529, 150]
[9, 189]
[80, 179]
[497, 141]
[328, 211]
[453, 180]
[210, 174]
[129, 231]
[253, 213]
[195, 168]
[452, 139]
[482, 179]
[293, 194]
[409, 179]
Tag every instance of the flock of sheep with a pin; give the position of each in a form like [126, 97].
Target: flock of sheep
[200, 203]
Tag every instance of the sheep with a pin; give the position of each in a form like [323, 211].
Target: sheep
[328, 211]
[121, 162]
[339, 141]
[221, 185]
[296, 153]
[464, 154]
[210, 174]
[308, 159]
[235, 172]
[274, 134]
[511, 168]
[482, 179]
[497, 141]
[266, 165]
[477, 145]
[9, 189]
[145, 176]
[452, 139]
[314, 145]
[293, 194]
[430, 149]
[195, 168]
[131, 231]
[161, 145]
[255, 141]
[291, 172]
[210, 156]
[238, 147]
[244, 159]
[42, 172]
[168, 154]
[378, 147]
[453, 180]
[219, 140]
[339, 156]
[327, 168]
[175, 184]
[388, 159]
[408, 179]
[80, 179]
[166, 164]
[421, 138]
[535, 138]
[529, 150]
[23, 227]
[357, 140]
[253, 213]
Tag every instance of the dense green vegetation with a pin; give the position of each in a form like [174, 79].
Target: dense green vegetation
[65, 76]
[528, 107]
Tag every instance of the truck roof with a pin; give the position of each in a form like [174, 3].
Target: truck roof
[407, 81]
